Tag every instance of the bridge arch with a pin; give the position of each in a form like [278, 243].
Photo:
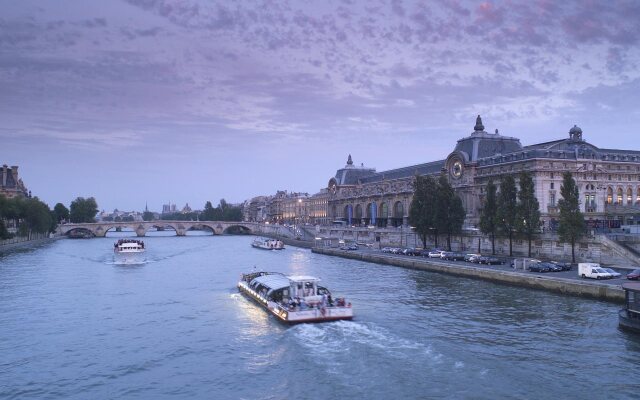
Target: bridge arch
[80, 233]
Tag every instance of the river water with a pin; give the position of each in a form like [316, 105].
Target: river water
[76, 325]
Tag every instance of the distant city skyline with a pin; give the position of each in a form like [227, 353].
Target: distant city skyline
[148, 101]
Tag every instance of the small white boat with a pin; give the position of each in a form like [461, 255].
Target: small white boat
[268, 244]
[294, 299]
[128, 246]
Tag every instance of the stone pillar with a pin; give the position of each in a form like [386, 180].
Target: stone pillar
[140, 231]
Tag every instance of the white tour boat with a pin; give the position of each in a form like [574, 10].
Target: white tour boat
[268, 244]
[294, 299]
[128, 246]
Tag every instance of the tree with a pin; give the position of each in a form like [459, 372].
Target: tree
[37, 216]
[83, 210]
[508, 208]
[571, 224]
[61, 212]
[147, 216]
[422, 208]
[449, 212]
[528, 208]
[489, 215]
[208, 214]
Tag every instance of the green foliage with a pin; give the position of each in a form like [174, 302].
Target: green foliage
[571, 226]
[83, 210]
[528, 208]
[450, 213]
[147, 216]
[435, 209]
[224, 212]
[508, 209]
[489, 214]
[60, 212]
[28, 214]
[422, 208]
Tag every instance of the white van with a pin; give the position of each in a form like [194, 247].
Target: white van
[592, 270]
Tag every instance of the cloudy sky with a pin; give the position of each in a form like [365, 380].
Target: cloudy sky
[151, 101]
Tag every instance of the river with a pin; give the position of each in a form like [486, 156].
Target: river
[76, 325]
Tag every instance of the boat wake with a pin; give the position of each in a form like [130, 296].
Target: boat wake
[127, 262]
[333, 338]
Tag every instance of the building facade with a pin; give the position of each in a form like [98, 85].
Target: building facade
[608, 180]
[10, 183]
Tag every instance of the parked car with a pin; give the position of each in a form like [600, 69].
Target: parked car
[634, 275]
[352, 247]
[489, 260]
[539, 267]
[386, 250]
[475, 259]
[566, 266]
[613, 272]
[453, 256]
[469, 256]
[436, 253]
[410, 252]
[552, 267]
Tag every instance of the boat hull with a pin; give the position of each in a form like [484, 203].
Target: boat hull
[628, 323]
[261, 247]
[325, 314]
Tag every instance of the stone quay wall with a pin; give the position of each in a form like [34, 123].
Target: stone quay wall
[595, 290]
[545, 246]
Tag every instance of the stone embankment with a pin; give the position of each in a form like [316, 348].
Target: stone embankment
[20, 242]
[576, 287]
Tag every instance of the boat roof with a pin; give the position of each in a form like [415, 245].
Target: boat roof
[633, 286]
[303, 278]
[272, 281]
[279, 281]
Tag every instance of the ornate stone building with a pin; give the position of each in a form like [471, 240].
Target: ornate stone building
[608, 180]
[10, 184]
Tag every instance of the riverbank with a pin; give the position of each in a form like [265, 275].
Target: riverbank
[575, 287]
[7, 245]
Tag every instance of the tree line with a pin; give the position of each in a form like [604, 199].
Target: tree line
[30, 215]
[223, 212]
[512, 211]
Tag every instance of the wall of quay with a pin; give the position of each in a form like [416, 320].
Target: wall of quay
[589, 289]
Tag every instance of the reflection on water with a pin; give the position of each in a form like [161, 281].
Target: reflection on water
[75, 324]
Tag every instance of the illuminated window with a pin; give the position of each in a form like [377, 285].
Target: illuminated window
[619, 196]
[609, 196]
[629, 196]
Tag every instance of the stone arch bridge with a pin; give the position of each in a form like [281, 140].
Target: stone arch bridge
[100, 229]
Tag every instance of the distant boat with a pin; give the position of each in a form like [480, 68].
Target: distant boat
[268, 244]
[294, 299]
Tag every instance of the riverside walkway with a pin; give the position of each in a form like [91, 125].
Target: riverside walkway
[566, 282]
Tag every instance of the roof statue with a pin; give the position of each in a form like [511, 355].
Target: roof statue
[575, 133]
[349, 160]
[479, 127]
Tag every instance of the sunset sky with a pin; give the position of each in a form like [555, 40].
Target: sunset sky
[184, 101]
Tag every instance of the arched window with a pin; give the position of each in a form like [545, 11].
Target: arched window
[619, 196]
[348, 213]
[398, 210]
[638, 195]
[629, 196]
[609, 196]
[384, 210]
[369, 210]
[358, 212]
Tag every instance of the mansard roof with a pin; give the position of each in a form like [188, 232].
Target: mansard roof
[482, 144]
[433, 167]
